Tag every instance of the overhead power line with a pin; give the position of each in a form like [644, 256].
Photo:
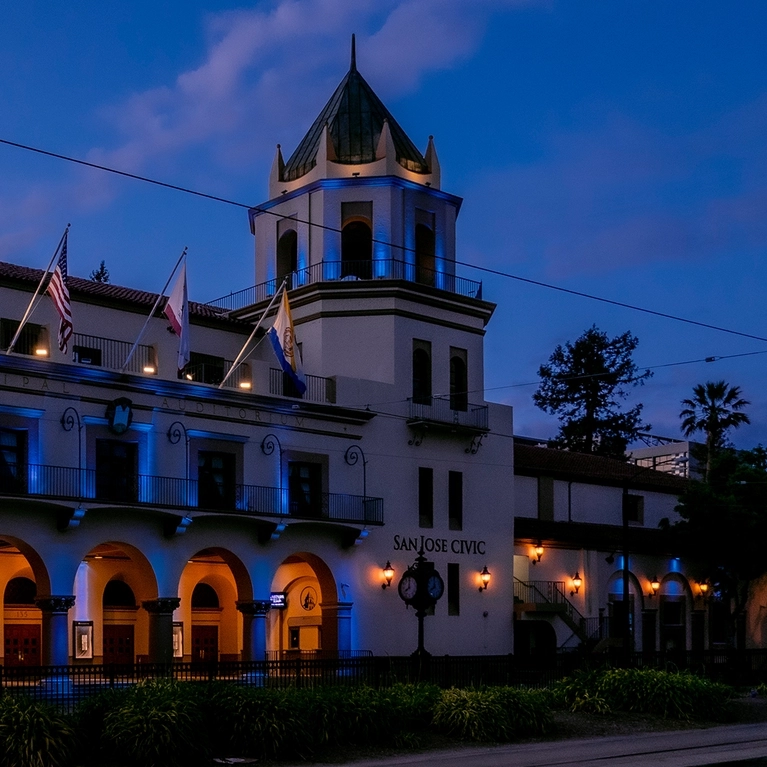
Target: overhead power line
[485, 269]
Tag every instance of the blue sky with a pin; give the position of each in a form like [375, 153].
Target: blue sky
[612, 148]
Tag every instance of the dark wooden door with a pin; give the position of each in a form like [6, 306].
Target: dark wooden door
[204, 644]
[22, 645]
[118, 644]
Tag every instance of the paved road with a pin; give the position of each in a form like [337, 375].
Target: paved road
[686, 748]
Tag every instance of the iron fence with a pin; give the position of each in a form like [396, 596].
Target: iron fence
[448, 411]
[350, 271]
[68, 685]
[318, 389]
[111, 354]
[183, 494]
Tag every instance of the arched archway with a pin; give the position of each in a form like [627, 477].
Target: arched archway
[287, 254]
[674, 599]
[23, 578]
[313, 620]
[112, 582]
[357, 250]
[215, 622]
[617, 610]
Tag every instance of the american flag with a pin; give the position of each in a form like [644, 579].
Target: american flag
[60, 295]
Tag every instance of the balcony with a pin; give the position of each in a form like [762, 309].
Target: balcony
[110, 354]
[353, 271]
[81, 485]
[213, 373]
[448, 412]
[318, 389]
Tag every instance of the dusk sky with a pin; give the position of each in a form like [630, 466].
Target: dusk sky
[615, 148]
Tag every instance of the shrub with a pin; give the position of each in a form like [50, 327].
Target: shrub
[648, 691]
[494, 714]
[33, 734]
[157, 723]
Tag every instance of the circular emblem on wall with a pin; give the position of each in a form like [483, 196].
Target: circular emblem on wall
[309, 598]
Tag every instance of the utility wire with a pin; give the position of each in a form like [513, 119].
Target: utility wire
[485, 269]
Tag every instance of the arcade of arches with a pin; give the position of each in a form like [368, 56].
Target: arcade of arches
[114, 613]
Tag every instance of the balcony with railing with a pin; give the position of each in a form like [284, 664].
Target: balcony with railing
[82, 485]
[214, 372]
[110, 354]
[318, 389]
[447, 411]
[354, 271]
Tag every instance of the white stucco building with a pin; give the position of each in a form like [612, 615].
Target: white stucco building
[170, 538]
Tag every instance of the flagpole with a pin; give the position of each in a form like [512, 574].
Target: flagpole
[151, 314]
[250, 337]
[30, 308]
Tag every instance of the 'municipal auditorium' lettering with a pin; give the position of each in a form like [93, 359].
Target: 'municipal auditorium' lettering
[455, 546]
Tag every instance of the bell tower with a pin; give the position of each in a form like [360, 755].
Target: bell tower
[358, 224]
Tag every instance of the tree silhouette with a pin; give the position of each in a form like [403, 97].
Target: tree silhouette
[101, 274]
[583, 384]
[714, 409]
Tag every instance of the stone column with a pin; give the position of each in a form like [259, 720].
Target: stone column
[55, 639]
[337, 627]
[254, 628]
[161, 628]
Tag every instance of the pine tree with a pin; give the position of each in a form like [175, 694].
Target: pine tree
[101, 274]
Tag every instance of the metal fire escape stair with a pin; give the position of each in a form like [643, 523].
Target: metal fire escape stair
[549, 597]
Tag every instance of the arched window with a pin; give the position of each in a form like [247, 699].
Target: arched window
[204, 597]
[356, 250]
[118, 594]
[459, 383]
[424, 255]
[20, 591]
[287, 254]
[421, 376]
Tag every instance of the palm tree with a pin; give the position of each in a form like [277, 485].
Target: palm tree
[714, 409]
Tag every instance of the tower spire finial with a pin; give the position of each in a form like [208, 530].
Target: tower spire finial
[354, 54]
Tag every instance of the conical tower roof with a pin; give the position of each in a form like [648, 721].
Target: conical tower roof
[355, 117]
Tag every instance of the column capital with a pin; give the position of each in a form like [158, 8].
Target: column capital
[55, 603]
[162, 605]
[254, 606]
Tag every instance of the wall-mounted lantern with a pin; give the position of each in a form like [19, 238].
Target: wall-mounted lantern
[388, 574]
[577, 583]
[703, 586]
[484, 576]
[654, 587]
[538, 551]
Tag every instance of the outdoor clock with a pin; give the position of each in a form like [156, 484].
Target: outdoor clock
[408, 587]
[435, 586]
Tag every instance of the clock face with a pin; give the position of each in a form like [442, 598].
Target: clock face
[435, 586]
[408, 586]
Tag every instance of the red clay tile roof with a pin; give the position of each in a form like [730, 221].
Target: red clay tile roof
[80, 288]
[563, 464]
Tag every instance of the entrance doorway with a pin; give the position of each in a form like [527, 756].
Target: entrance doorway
[204, 644]
[118, 644]
[22, 644]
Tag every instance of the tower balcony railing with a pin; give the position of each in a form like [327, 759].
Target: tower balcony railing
[318, 389]
[82, 485]
[111, 354]
[353, 271]
[455, 411]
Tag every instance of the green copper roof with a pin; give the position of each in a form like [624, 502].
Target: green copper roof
[355, 117]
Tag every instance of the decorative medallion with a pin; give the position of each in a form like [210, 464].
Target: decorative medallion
[308, 598]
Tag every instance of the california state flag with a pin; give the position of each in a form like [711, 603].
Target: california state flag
[177, 312]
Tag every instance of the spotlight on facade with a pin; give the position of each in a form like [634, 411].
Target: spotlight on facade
[577, 583]
[388, 574]
[538, 551]
[41, 351]
[654, 586]
[245, 384]
[484, 576]
[150, 369]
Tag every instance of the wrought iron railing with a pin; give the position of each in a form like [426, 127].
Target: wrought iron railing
[449, 410]
[318, 389]
[184, 494]
[547, 592]
[68, 685]
[208, 373]
[351, 271]
[111, 354]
